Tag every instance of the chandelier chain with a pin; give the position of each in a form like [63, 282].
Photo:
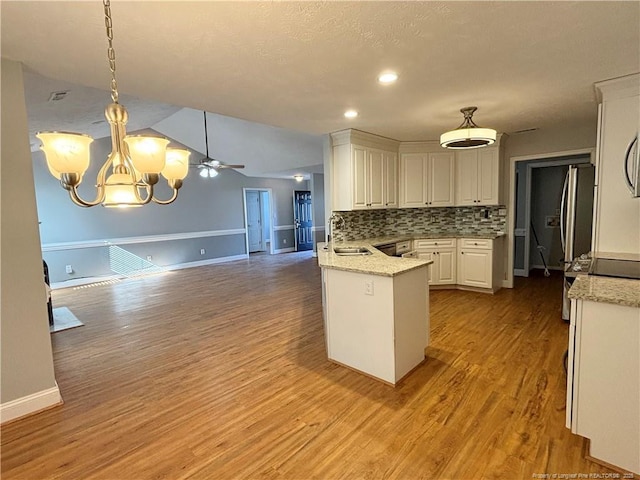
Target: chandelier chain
[111, 53]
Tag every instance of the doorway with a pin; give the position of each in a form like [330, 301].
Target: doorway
[303, 220]
[539, 184]
[258, 213]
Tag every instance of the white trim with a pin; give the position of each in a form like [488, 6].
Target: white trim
[29, 404]
[211, 261]
[76, 282]
[284, 227]
[508, 283]
[318, 229]
[520, 272]
[285, 250]
[51, 247]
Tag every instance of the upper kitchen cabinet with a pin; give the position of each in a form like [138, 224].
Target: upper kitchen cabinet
[426, 178]
[617, 204]
[364, 171]
[478, 176]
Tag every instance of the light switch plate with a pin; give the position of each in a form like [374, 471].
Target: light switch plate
[368, 287]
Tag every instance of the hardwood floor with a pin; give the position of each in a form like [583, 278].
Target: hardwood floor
[220, 372]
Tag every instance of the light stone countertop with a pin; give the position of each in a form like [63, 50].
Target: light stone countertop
[375, 264]
[619, 291]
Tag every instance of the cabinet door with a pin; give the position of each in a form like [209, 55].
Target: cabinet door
[391, 179]
[446, 267]
[617, 226]
[412, 173]
[375, 179]
[488, 176]
[440, 179]
[359, 160]
[466, 177]
[429, 255]
[474, 268]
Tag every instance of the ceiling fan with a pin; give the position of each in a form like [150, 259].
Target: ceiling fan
[208, 166]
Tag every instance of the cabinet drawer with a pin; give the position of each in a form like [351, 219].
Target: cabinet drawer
[482, 243]
[403, 247]
[434, 243]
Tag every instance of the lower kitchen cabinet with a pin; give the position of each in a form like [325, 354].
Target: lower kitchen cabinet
[603, 380]
[479, 263]
[443, 253]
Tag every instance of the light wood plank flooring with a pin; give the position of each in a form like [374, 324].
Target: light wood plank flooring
[220, 372]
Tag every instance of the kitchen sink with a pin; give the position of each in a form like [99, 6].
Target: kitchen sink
[343, 251]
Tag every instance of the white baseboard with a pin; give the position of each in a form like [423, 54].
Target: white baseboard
[519, 272]
[211, 261]
[76, 282]
[33, 403]
[285, 250]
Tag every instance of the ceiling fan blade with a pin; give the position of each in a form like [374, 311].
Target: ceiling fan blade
[229, 166]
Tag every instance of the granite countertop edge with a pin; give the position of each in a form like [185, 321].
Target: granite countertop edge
[617, 291]
[375, 264]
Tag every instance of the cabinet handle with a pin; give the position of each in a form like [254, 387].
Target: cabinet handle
[436, 243]
[461, 253]
[475, 243]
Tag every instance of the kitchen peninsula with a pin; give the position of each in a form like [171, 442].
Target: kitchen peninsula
[376, 310]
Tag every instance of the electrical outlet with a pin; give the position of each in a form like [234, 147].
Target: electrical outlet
[502, 212]
[68, 269]
[284, 240]
[202, 251]
[149, 258]
[368, 287]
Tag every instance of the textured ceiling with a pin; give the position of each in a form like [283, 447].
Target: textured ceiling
[299, 65]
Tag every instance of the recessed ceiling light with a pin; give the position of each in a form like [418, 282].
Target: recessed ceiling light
[387, 77]
[298, 178]
[351, 114]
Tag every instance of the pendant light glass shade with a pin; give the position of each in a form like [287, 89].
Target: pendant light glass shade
[468, 135]
[66, 152]
[176, 166]
[120, 192]
[147, 153]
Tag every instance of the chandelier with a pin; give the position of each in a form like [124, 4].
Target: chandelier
[136, 162]
[468, 134]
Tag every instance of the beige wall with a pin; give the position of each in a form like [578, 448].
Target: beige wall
[26, 357]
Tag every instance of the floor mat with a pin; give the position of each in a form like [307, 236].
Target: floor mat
[63, 319]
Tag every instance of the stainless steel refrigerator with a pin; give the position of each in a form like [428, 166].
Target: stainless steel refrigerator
[576, 221]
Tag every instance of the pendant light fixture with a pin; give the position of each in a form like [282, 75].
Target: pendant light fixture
[468, 135]
[136, 162]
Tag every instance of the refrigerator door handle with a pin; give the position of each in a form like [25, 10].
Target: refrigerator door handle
[627, 157]
[563, 205]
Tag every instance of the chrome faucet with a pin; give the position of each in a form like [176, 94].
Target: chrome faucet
[339, 223]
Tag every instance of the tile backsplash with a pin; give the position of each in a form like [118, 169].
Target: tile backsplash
[455, 220]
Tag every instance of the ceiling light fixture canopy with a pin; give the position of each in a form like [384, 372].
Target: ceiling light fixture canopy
[298, 178]
[468, 134]
[136, 162]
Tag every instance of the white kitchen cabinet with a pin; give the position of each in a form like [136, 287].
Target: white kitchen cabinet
[364, 176]
[427, 179]
[377, 325]
[477, 177]
[479, 263]
[616, 212]
[390, 193]
[603, 380]
[443, 253]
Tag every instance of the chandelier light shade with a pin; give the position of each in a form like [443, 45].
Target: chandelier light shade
[468, 134]
[133, 167]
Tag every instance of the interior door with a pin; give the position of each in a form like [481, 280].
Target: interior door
[254, 221]
[303, 219]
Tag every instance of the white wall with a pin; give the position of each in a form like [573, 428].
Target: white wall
[26, 358]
